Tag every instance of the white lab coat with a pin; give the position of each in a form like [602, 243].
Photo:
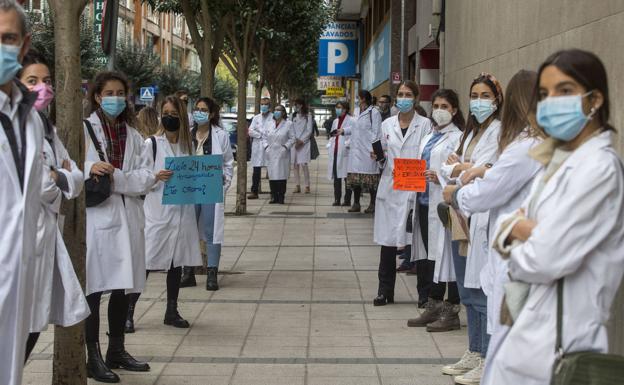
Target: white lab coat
[439, 238]
[361, 136]
[19, 211]
[257, 132]
[277, 145]
[579, 236]
[171, 235]
[220, 146]
[59, 298]
[343, 152]
[302, 127]
[392, 206]
[502, 190]
[486, 151]
[115, 238]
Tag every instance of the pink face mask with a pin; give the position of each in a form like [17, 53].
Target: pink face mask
[45, 94]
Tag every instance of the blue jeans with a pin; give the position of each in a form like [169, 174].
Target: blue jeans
[205, 223]
[475, 302]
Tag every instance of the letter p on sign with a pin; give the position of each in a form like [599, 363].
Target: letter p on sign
[337, 53]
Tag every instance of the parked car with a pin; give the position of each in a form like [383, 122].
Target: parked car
[229, 122]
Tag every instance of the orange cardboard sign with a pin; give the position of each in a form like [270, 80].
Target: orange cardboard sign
[409, 175]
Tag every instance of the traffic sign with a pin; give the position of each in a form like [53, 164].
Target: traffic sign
[147, 94]
[338, 49]
[323, 82]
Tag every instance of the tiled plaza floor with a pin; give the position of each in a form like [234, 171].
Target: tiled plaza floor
[295, 307]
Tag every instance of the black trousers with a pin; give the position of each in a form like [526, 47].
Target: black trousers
[30, 344]
[255, 180]
[278, 186]
[174, 276]
[425, 268]
[387, 271]
[117, 313]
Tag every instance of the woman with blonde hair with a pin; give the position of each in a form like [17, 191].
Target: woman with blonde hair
[147, 121]
[171, 235]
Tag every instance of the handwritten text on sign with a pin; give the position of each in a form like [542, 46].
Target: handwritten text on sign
[409, 175]
[195, 180]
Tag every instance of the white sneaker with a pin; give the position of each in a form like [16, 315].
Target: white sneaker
[469, 361]
[473, 377]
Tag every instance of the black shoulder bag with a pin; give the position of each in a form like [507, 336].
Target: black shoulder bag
[97, 188]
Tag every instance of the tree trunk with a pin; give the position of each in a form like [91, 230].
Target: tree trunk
[69, 352]
[241, 152]
[259, 85]
[207, 71]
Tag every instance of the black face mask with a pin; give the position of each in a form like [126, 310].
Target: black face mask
[171, 123]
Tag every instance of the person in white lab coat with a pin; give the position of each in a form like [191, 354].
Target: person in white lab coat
[501, 189]
[338, 151]
[59, 298]
[257, 132]
[302, 125]
[401, 137]
[21, 166]
[171, 237]
[434, 268]
[210, 139]
[478, 147]
[570, 230]
[279, 140]
[115, 239]
[363, 172]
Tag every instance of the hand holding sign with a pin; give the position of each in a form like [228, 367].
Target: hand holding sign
[409, 175]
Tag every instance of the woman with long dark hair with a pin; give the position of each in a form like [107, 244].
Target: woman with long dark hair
[434, 268]
[115, 240]
[565, 243]
[478, 147]
[501, 189]
[210, 139]
[302, 125]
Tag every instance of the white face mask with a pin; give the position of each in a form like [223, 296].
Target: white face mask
[441, 117]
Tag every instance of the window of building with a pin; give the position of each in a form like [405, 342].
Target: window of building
[176, 57]
[178, 23]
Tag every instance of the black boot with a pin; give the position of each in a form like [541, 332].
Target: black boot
[211, 279]
[172, 317]
[118, 357]
[188, 277]
[280, 198]
[132, 300]
[96, 367]
[273, 198]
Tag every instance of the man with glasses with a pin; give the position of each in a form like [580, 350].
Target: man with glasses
[384, 103]
[21, 167]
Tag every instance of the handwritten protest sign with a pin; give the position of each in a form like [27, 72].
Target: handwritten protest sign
[409, 175]
[195, 180]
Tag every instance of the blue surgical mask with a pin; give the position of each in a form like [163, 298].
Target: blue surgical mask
[405, 104]
[113, 106]
[277, 114]
[264, 108]
[481, 109]
[200, 117]
[339, 111]
[562, 117]
[9, 62]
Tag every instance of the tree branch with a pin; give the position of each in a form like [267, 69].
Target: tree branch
[230, 64]
[189, 15]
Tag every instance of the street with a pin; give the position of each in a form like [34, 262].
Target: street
[295, 307]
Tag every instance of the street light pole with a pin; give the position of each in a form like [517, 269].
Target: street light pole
[113, 37]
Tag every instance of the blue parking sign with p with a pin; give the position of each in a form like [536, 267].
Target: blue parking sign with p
[337, 57]
[337, 49]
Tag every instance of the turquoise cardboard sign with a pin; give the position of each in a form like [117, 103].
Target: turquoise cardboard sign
[195, 180]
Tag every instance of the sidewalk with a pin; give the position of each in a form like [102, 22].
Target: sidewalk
[295, 307]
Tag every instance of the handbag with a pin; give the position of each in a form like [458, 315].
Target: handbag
[583, 368]
[314, 150]
[97, 188]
